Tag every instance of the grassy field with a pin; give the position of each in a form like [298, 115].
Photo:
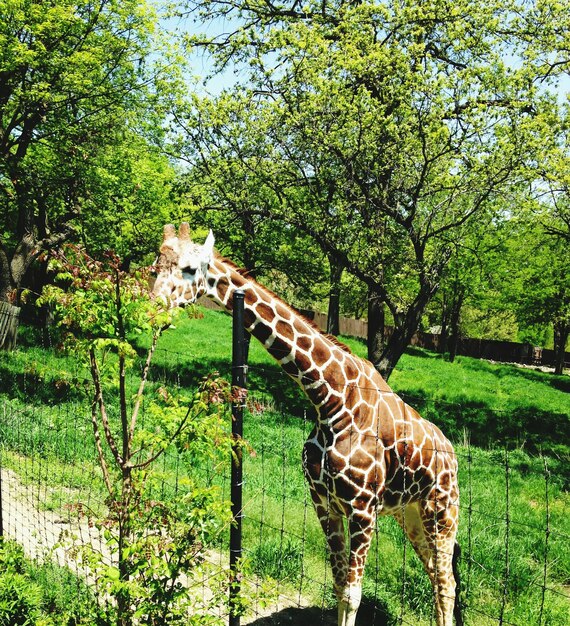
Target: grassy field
[491, 403]
[483, 407]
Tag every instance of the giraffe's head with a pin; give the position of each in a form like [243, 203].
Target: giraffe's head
[182, 266]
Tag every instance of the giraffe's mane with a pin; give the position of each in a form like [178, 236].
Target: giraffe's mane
[245, 273]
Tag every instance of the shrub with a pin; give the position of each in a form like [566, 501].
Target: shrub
[157, 541]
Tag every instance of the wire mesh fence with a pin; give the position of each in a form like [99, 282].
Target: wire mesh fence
[514, 525]
[513, 543]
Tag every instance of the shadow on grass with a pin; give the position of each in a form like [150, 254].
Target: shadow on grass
[423, 353]
[268, 380]
[368, 615]
[528, 427]
[500, 370]
[37, 385]
[562, 383]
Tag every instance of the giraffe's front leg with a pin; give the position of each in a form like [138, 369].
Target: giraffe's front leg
[333, 527]
[361, 527]
[348, 605]
[347, 570]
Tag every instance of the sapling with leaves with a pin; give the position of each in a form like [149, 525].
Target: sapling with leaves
[158, 542]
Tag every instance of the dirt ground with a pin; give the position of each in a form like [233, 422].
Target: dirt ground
[43, 534]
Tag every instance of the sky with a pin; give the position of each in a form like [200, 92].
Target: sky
[202, 78]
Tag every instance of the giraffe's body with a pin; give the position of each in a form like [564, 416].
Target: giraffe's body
[369, 454]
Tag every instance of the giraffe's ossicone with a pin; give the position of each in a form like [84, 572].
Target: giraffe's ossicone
[369, 453]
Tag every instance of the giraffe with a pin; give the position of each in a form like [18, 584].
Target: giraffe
[369, 453]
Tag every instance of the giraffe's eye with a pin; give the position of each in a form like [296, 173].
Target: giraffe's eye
[189, 270]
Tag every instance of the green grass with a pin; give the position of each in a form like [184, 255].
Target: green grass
[485, 404]
[495, 403]
[492, 404]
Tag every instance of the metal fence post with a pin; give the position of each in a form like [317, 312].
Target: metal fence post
[239, 371]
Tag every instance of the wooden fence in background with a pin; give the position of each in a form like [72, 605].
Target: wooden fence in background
[9, 316]
[494, 350]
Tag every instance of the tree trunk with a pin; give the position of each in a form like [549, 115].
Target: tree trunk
[405, 325]
[376, 323]
[333, 315]
[125, 505]
[444, 332]
[9, 314]
[249, 251]
[5, 276]
[561, 332]
[12, 273]
[395, 347]
[454, 324]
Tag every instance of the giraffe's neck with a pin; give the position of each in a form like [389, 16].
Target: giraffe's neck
[321, 366]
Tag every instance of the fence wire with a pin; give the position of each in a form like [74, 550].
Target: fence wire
[514, 525]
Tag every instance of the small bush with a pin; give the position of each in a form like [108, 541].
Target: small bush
[20, 600]
[41, 594]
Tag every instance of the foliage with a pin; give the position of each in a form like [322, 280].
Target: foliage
[533, 275]
[131, 194]
[98, 304]
[40, 594]
[551, 214]
[380, 130]
[541, 289]
[20, 601]
[156, 540]
[283, 257]
[83, 90]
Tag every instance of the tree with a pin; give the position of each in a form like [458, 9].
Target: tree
[225, 189]
[154, 541]
[128, 197]
[540, 249]
[537, 283]
[469, 301]
[412, 113]
[73, 76]
[556, 226]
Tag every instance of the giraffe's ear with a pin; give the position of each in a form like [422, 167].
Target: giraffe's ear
[184, 231]
[168, 232]
[208, 248]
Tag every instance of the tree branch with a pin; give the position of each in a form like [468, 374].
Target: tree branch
[98, 399]
[140, 391]
[155, 456]
[97, 435]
